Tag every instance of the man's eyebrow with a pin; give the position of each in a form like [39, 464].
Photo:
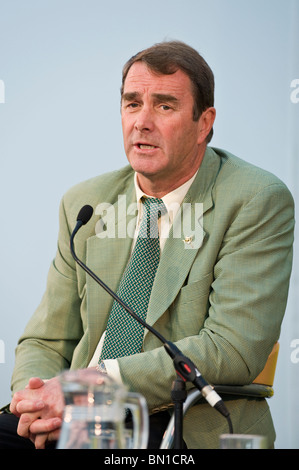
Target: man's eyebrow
[160, 97]
[165, 97]
[130, 96]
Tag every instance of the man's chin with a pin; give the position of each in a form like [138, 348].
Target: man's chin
[147, 169]
[149, 174]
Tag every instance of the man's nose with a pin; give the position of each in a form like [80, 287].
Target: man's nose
[144, 119]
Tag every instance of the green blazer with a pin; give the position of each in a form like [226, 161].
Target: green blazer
[222, 301]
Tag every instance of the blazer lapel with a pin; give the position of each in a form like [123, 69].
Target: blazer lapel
[185, 239]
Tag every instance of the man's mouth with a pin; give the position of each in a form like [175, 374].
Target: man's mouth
[145, 146]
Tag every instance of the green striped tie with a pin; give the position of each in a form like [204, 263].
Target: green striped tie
[124, 335]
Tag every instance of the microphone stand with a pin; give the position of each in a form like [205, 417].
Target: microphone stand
[184, 367]
[178, 395]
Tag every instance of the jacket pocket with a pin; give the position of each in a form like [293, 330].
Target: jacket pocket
[188, 312]
[196, 289]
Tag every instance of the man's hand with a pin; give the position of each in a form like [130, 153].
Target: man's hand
[39, 407]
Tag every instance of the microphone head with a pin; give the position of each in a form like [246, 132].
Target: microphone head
[85, 214]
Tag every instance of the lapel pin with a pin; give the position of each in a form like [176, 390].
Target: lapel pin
[188, 240]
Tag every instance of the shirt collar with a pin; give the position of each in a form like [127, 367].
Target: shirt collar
[172, 200]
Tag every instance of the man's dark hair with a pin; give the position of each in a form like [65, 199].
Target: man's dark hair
[166, 58]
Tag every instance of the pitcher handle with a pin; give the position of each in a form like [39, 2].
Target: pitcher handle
[138, 407]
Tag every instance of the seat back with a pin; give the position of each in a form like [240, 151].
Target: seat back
[260, 388]
[266, 377]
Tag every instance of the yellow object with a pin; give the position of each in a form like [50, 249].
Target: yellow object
[266, 377]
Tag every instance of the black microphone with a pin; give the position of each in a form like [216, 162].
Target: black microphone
[184, 367]
[83, 217]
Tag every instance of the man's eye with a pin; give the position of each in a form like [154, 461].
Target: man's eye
[132, 105]
[165, 107]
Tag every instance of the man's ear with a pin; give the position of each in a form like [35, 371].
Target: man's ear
[205, 123]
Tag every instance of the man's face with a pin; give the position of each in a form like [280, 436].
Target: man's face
[162, 142]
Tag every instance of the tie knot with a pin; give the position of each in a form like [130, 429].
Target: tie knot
[155, 207]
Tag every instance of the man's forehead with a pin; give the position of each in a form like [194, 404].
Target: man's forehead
[141, 79]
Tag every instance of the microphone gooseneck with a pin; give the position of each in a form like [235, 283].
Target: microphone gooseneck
[184, 367]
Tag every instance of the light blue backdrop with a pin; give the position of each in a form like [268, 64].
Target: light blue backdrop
[60, 72]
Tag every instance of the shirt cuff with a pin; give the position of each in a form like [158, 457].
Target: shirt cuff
[112, 369]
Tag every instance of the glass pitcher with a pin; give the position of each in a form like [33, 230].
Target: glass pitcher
[95, 410]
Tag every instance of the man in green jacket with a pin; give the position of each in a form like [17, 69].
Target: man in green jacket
[221, 286]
